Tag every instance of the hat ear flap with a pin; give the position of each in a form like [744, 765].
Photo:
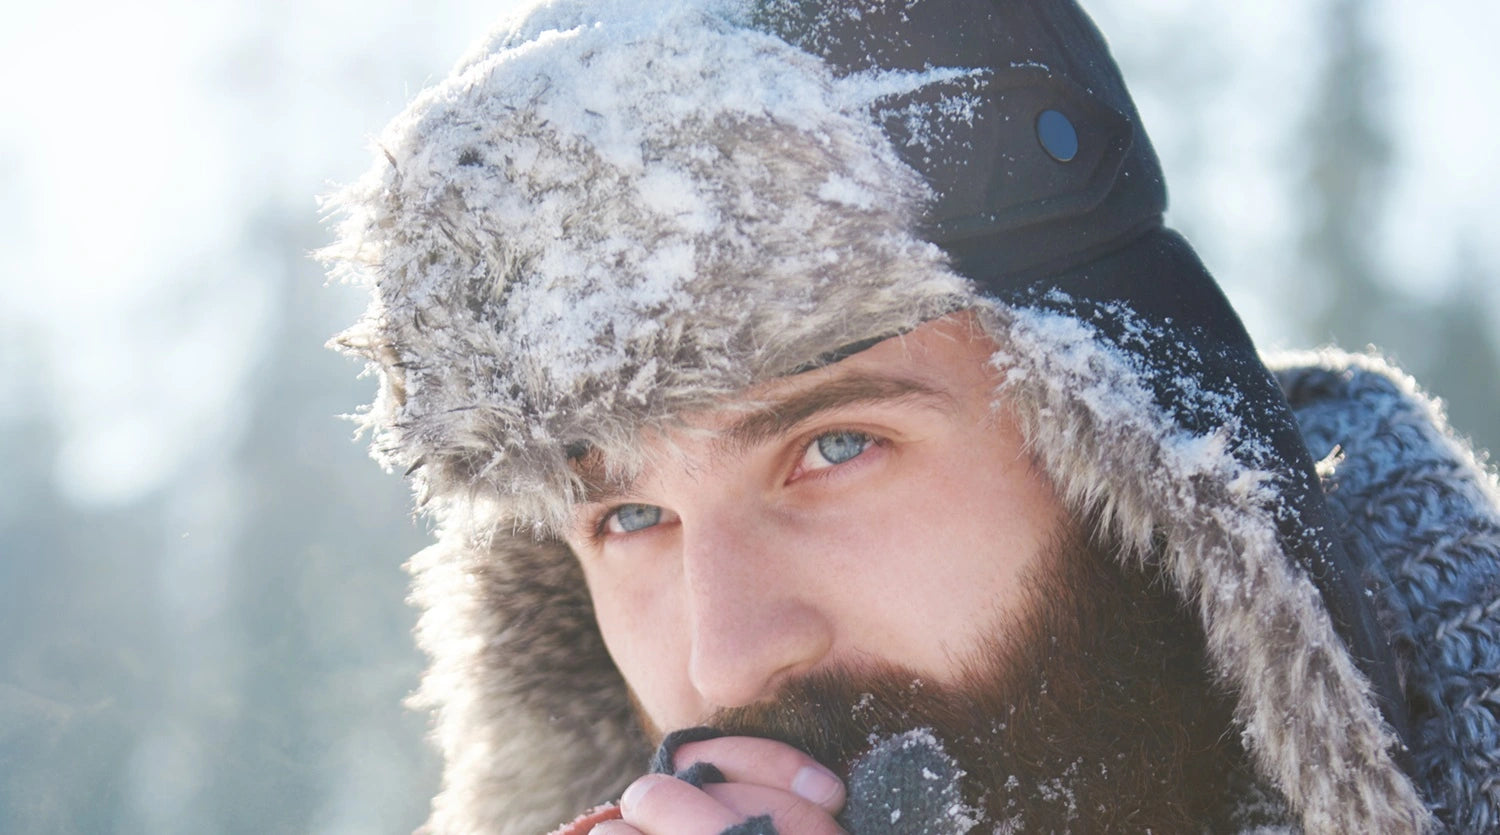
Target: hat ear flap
[509, 627]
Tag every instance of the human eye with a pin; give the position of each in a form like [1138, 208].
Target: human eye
[833, 448]
[629, 518]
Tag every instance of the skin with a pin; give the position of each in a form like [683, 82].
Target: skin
[890, 521]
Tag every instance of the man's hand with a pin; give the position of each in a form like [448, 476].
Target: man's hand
[762, 778]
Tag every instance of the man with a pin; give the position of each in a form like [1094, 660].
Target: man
[811, 392]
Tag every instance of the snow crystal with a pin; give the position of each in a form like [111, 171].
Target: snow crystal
[929, 124]
[672, 193]
[837, 189]
[1198, 453]
[1010, 826]
[866, 88]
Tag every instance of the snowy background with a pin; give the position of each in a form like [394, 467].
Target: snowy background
[202, 625]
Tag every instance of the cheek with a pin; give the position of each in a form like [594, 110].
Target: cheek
[643, 632]
[932, 559]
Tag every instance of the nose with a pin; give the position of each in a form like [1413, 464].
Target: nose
[754, 613]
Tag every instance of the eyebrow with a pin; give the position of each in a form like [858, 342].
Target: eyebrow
[786, 413]
[779, 416]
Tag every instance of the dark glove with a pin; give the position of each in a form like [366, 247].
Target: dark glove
[698, 774]
[906, 785]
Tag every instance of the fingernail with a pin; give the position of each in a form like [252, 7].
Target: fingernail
[633, 794]
[816, 784]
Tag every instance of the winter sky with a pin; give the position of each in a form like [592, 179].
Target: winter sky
[139, 143]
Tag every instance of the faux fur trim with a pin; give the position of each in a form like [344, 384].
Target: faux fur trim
[526, 748]
[528, 710]
[1308, 716]
[562, 239]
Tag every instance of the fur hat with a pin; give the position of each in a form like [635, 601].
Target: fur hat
[615, 213]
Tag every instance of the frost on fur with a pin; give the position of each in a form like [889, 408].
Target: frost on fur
[589, 233]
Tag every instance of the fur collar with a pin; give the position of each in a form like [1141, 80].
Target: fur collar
[534, 724]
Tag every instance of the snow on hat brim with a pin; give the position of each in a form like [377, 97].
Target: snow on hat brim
[588, 234]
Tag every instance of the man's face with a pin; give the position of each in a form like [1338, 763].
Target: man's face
[877, 511]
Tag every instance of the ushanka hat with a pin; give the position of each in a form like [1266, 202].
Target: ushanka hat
[611, 214]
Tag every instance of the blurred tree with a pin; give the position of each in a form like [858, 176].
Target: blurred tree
[76, 660]
[321, 742]
[1348, 156]
[229, 654]
[1459, 358]
[1448, 343]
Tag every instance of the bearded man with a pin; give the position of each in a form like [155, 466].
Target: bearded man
[811, 392]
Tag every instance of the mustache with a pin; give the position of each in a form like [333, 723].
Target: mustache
[1089, 708]
[874, 728]
[837, 715]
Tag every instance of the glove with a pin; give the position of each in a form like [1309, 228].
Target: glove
[905, 785]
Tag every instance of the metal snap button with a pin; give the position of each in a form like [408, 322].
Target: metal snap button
[1058, 136]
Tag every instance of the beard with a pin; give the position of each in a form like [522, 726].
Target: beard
[1092, 710]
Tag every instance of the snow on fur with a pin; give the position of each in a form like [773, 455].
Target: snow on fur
[560, 239]
[1309, 718]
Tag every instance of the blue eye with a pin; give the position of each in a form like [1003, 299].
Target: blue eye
[628, 518]
[838, 447]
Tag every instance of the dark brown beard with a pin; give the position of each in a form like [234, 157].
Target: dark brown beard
[1093, 712]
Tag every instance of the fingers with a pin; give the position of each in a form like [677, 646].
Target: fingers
[660, 803]
[657, 804]
[764, 762]
[615, 827]
[763, 777]
[791, 814]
